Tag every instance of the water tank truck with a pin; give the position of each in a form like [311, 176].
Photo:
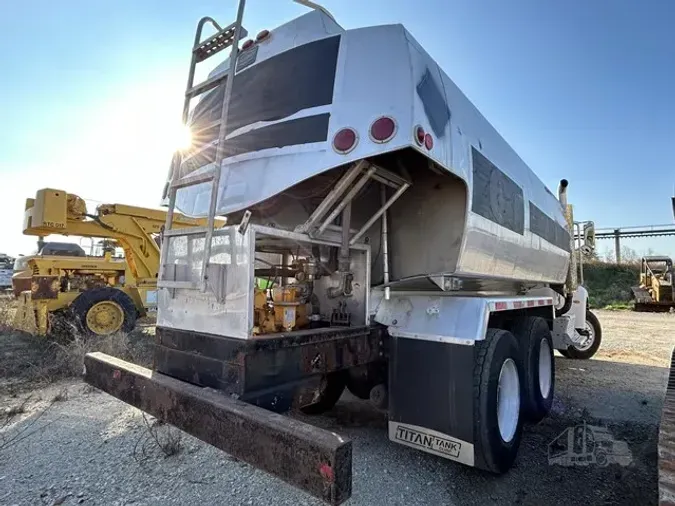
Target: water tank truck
[381, 237]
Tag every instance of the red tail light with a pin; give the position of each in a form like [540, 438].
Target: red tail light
[262, 35]
[428, 141]
[419, 135]
[247, 44]
[345, 140]
[383, 129]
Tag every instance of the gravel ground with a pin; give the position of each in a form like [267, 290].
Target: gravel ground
[74, 445]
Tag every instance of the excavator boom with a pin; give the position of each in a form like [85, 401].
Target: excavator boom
[103, 294]
[136, 229]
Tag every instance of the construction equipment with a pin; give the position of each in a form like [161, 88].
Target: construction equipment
[655, 292]
[23, 273]
[373, 243]
[97, 295]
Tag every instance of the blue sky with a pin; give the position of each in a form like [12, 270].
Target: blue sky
[582, 89]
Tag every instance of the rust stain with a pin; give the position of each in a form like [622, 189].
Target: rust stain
[44, 287]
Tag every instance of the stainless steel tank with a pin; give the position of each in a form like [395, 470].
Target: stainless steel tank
[308, 102]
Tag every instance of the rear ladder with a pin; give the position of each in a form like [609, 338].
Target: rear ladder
[201, 51]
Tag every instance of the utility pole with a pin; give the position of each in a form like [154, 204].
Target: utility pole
[617, 246]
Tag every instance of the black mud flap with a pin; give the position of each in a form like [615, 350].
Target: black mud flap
[312, 459]
[431, 398]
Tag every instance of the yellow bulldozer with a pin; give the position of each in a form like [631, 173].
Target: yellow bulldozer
[96, 295]
[655, 292]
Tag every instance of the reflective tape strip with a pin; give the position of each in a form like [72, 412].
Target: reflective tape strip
[509, 305]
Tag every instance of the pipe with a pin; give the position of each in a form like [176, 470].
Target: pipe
[379, 213]
[562, 193]
[385, 243]
[315, 6]
[344, 246]
[581, 256]
[571, 281]
[347, 199]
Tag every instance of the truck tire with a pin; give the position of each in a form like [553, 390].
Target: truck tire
[332, 386]
[538, 366]
[497, 399]
[104, 311]
[589, 348]
[362, 379]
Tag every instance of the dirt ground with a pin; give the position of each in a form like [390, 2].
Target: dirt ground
[62, 442]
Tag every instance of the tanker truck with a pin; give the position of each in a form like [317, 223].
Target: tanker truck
[380, 237]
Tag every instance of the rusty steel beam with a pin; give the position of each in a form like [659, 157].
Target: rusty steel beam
[312, 459]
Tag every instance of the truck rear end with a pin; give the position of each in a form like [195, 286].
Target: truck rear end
[380, 236]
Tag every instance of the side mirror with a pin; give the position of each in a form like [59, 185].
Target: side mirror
[589, 237]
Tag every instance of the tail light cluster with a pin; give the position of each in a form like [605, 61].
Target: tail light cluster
[423, 139]
[261, 37]
[382, 130]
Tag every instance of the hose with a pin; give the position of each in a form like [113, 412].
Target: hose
[566, 306]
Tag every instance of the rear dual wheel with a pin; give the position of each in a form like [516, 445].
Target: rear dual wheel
[329, 392]
[514, 380]
[497, 401]
[538, 371]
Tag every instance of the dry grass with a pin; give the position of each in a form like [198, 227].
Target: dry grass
[7, 309]
[13, 411]
[157, 436]
[61, 396]
[70, 355]
[27, 360]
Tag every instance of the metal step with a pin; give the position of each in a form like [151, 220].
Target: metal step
[189, 285]
[178, 232]
[216, 43]
[203, 177]
[205, 86]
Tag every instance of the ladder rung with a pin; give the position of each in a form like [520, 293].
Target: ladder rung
[205, 86]
[190, 285]
[193, 180]
[217, 42]
[213, 145]
[205, 127]
[177, 232]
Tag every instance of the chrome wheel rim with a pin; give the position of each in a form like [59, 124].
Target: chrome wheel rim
[508, 400]
[588, 340]
[545, 369]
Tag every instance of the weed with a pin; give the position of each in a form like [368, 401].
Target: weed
[15, 410]
[61, 396]
[165, 437]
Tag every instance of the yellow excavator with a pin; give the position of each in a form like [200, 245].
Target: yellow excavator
[97, 295]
